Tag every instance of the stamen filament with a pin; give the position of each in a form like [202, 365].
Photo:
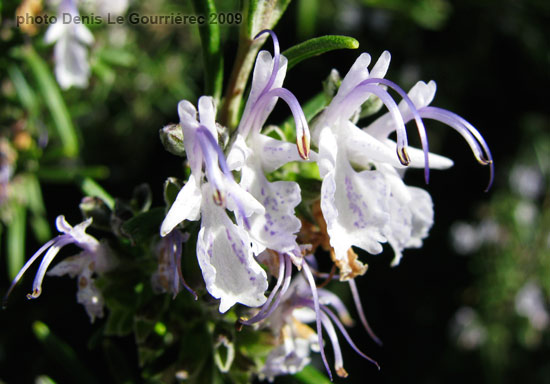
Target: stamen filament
[311, 281]
[419, 123]
[357, 96]
[276, 59]
[472, 136]
[359, 307]
[29, 262]
[347, 336]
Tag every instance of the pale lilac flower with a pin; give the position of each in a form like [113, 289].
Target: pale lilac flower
[106, 8]
[363, 197]
[224, 248]
[254, 154]
[303, 303]
[168, 277]
[70, 52]
[467, 329]
[94, 259]
[530, 302]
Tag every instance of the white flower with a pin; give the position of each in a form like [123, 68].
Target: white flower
[255, 154]
[224, 248]
[303, 303]
[530, 302]
[364, 201]
[168, 277]
[94, 259]
[70, 52]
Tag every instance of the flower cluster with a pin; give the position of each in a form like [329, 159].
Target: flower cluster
[250, 232]
[364, 200]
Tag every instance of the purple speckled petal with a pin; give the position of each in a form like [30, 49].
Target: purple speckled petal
[354, 204]
[276, 227]
[225, 257]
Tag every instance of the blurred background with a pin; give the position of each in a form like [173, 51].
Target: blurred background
[472, 305]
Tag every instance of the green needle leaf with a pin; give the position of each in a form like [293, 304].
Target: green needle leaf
[62, 355]
[93, 189]
[54, 100]
[16, 240]
[318, 46]
[310, 375]
[210, 38]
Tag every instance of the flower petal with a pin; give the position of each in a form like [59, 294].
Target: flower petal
[354, 204]
[275, 228]
[225, 257]
[186, 207]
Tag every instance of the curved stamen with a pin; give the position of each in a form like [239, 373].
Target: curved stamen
[472, 136]
[419, 123]
[329, 298]
[347, 336]
[359, 307]
[46, 261]
[331, 332]
[357, 96]
[178, 274]
[302, 129]
[276, 59]
[288, 275]
[316, 306]
[261, 314]
[29, 262]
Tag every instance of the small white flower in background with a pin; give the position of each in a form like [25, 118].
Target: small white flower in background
[531, 304]
[465, 238]
[94, 259]
[70, 52]
[303, 303]
[467, 329]
[224, 248]
[526, 213]
[527, 181]
[106, 8]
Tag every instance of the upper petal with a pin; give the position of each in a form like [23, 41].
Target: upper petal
[186, 207]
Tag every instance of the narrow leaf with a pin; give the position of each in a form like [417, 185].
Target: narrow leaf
[210, 39]
[318, 46]
[25, 93]
[62, 354]
[93, 189]
[310, 375]
[35, 204]
[16, 240]
[54, 101]
[68, 174]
